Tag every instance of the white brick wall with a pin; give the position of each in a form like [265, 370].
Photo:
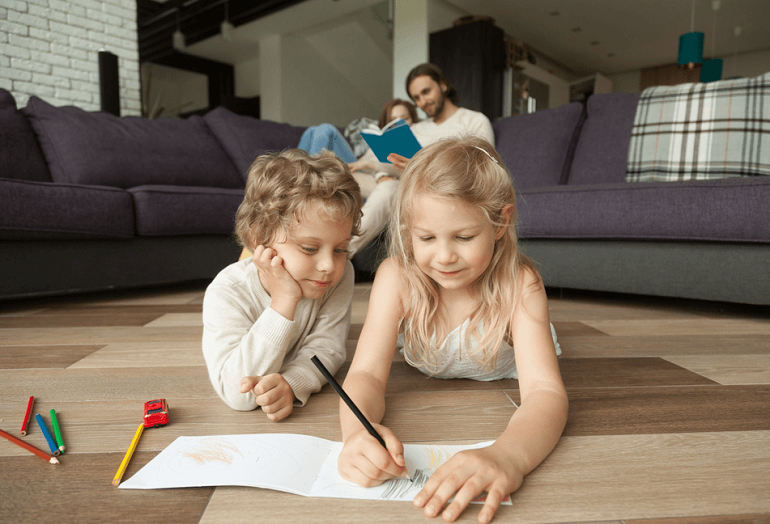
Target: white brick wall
[50, 49]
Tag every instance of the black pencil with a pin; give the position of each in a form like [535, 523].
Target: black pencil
[357, 412]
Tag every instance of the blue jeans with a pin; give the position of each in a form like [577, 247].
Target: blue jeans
[326, 136]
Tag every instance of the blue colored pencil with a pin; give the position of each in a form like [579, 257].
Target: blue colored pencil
[48, 437]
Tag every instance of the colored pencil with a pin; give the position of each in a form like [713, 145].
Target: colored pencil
[341, 392]
[29, 447]
[57, 430]
[127, 458]
[26, 416]
[47, 434]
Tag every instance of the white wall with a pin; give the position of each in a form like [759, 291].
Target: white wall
[334, 72]
[314, 91]
[49, 48]
[442, 15]
[247, 78]
[410, 41]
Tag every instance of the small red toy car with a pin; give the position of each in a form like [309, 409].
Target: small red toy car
[155, 413]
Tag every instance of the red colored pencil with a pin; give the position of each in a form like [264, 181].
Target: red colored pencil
[26, 416]
[29, 447]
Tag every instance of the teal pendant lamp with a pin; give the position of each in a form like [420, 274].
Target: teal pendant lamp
[691, 46]
[712, 68]
[691, 50]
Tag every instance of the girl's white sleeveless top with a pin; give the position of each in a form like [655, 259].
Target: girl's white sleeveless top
[454, 361]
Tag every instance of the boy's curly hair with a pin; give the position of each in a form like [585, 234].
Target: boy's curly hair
[281, 186]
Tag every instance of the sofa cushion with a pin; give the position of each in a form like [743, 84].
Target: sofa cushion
[535, 147]
[731, 210]
[601, 155]
[245, 138]
[103, 149]
[46, 210]
[20, 154]
[176, 210]
[701, 131]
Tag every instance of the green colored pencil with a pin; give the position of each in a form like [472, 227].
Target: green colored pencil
[57, 431]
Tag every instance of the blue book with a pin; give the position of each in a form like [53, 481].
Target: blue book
[396, 137]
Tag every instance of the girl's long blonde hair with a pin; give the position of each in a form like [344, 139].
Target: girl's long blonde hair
[472, 171]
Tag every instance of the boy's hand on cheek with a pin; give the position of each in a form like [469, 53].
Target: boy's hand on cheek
[466, 476]
[272, 393]
[283, 289]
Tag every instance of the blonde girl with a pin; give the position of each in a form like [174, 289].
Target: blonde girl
[470, 305]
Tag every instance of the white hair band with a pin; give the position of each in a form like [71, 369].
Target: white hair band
[486, 153]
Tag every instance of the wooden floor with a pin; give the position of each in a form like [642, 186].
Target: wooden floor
[669, 414]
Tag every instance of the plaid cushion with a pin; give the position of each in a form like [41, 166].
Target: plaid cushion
[701, 131]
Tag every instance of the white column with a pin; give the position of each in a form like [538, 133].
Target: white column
[410, 41]
[270, 103]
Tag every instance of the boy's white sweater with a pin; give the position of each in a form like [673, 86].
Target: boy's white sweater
[243, 336]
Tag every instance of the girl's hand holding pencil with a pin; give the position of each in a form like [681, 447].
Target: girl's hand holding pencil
[364, 461]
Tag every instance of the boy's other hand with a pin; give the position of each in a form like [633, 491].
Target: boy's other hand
[281, 286]
[272, 393]
[364, 461]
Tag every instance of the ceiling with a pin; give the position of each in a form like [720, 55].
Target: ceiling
[583, 36]
[614, 36]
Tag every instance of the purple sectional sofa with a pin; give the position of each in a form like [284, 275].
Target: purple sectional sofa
[587, 228]
[89, 201]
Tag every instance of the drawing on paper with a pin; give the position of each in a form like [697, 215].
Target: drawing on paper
[213, 449]
[398, 488]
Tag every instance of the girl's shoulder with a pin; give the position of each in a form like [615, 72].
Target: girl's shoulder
[529, 280]
[390, 278]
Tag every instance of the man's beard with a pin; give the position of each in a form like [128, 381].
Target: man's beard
[437, 108]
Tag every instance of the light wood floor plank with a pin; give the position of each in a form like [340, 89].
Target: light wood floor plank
[144, 355]
[97, 335]
[21, 357]
[734, 369]
[715, 326]
[721, 519]
[178, 320]
[79, 385]
[653, 345]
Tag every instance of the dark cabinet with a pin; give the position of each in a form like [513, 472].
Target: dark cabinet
[473, 57]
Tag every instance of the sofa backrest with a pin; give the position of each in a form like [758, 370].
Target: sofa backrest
[601, 155]
[20, 154]
[95, 148]
[245, 138]
[536, 147]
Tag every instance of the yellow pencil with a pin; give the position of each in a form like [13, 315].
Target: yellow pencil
[127, 458]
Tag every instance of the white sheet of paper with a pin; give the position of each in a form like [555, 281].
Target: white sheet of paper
[293, 463]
